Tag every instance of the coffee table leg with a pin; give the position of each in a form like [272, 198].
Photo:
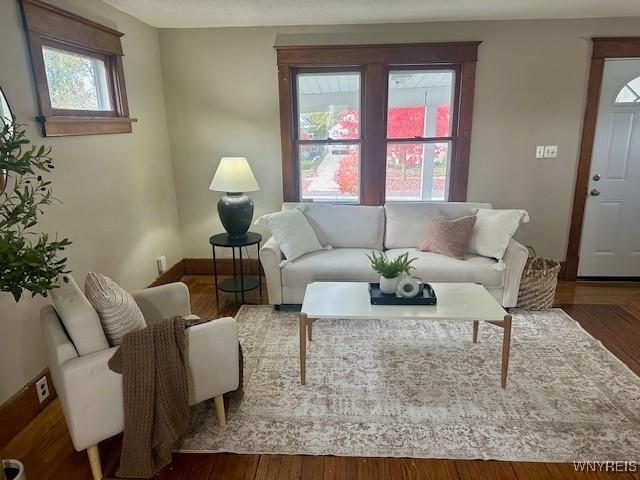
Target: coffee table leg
[303, 348]
[506, 344]
[309, 329]
[475, 331]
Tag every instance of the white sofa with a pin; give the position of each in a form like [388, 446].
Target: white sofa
[398, 227]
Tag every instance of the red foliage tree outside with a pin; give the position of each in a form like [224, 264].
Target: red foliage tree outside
[402, 122]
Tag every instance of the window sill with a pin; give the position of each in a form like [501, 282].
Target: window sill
[58, 126]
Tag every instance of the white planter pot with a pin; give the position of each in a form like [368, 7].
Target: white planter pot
[389, 285]
[13, 466]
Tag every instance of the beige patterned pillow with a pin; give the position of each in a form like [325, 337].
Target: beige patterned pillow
[118, 311]
[449, 236]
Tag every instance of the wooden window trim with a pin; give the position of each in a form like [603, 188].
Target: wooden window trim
[603, 48]
[375, 61]
[47, 25]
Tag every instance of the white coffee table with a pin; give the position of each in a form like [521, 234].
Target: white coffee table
[468, 302]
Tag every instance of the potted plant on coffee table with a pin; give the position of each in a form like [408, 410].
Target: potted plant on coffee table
[390, 271]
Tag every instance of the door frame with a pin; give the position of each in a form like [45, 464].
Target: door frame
[603, 48]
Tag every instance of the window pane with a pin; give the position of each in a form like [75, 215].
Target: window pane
[417, 171]
[630, 93]
[419, 103]
[76, 82]
[328, 106]
[330, 173]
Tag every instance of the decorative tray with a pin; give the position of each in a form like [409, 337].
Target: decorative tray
[426, 296]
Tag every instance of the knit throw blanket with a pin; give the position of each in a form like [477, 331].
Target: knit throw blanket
[153, 364]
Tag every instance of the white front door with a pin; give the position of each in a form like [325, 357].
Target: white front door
[610, 244]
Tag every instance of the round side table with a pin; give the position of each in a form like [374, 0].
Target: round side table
[238, 283]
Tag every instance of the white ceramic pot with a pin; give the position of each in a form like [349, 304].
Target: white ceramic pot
[389, 285]
[13, 470]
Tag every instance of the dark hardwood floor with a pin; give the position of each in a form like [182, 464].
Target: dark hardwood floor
[609, 312]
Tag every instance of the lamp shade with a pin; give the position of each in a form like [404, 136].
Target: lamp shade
[234, 175]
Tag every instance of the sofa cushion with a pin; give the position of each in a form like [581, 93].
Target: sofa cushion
[448, 236]
[79, 318]
[433, 267]
[407, 222]
[345, 226]
[292, 231]
[339, 264]
[493, 231]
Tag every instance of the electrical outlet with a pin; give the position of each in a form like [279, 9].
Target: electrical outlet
[161, 261]
[42, 388]
[540, 151]
[551, 151]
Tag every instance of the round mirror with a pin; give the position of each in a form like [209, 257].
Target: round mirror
[5, 118]
[5, 111]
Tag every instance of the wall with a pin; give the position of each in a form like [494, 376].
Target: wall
[222, 99]
[117, 192]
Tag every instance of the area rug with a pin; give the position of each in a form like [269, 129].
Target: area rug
[423, 389]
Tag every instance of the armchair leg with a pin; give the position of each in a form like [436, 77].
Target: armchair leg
[222, 419]
[94, 460]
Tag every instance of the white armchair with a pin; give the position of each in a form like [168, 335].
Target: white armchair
[91, 394]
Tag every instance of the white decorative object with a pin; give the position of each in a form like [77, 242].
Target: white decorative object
[408, 287]
[389, 285]
[118, 311]
[493, 231]
[15, 467]
[292, 231]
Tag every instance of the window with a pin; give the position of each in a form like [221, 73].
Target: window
[418, 134]
[630, 93]
[77, 66]
[376, 123]
[76, 81]
[328, 135]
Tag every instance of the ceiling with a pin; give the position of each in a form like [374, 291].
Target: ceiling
[236, 13]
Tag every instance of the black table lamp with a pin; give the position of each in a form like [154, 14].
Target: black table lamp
[234, 176]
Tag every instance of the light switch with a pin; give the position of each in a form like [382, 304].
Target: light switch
[551, 151]
[540, 151]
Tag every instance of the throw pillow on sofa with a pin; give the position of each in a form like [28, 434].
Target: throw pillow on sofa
[493, 231]
[292, 231]
[118, 311]
[448, 236]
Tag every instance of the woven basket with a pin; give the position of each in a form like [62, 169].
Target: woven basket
[538, 283]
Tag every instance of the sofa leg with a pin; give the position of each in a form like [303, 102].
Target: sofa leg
[94, 460]
[222, 418]
[277, 308]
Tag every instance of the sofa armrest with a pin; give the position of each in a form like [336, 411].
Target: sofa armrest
[212, 355]
[164, 301]
[91, 398]
[515, 257]
[270, 257]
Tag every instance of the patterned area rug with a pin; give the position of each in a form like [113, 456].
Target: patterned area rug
[423, 389]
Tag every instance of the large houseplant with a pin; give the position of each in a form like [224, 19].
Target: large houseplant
[29, 260]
